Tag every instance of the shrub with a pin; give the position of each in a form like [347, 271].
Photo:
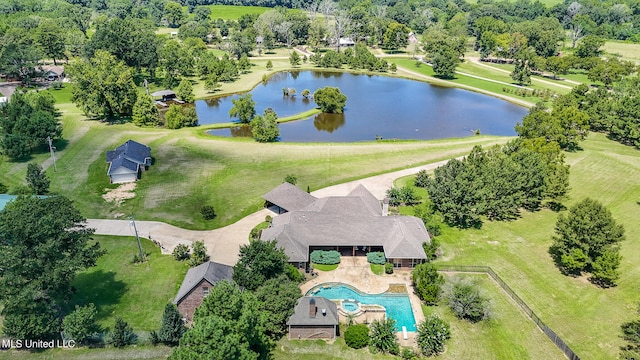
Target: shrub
[198, 253]
[122, 334]
[56, 85]
[80, 325]
[383, 336]
[422, 179]
[388, 268]
[431, 249]
[330, 257]
[357, 336]
[466, 302]
[293, 274]
[291, 179]
[3, 189]
[433, 332]
[427, 283]
[181, 252]
[376, 258]
[207, 212]
[268, 219]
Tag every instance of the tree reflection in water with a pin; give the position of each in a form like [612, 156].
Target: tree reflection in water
[241, 131]
[329, 122]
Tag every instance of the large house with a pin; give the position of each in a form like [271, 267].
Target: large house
[314, 317]
[127, 162]
[353, 225]
[196, 286]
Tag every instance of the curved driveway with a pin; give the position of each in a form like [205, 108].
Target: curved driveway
[223, 244]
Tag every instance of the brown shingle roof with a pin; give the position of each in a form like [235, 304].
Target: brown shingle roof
[210, 271]
[301, 312]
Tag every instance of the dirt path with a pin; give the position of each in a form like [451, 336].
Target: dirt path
[223, 244]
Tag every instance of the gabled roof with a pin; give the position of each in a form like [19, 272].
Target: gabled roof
[122, 162]
[132, 150]
[353, 220]
[289, 197]
[210, 271]
[301, 312]
[55, 69]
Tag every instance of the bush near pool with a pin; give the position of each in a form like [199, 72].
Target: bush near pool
[330, 257]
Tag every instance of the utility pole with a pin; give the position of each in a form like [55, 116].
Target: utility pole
[53, 155]
[133, 223]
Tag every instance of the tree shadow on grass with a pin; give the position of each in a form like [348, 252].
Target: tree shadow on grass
[100, 288]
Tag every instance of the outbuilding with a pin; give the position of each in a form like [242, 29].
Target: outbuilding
[314, 317]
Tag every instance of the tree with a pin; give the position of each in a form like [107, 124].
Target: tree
[180, 116]
[265, 128]
[259, 261]
[198, 253]
[427, 283]
[181, 252]
[269, 65]
[244, 108]
[81, 325]
[330, 99]
[243, 64]
[185, 91]
[19, 56]
[172, 327]
[37, 179]
[50, 37]
[383, 336]
[277, 297]
[174, 14]
[466, 302]
[522, 72]
[305, 93]
[145, 111]
[294, 58]
[433, 332]
[177, 62]
[122, 334]
[445, 63]
[396, 36]
[43, 244]
[587, 240]
[589, 47]
[103, 86]
[291, 179]
[26, 122]
[357, 336]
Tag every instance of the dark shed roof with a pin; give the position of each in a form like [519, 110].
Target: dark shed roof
[301, 314]
[210, 271]
[163, 93]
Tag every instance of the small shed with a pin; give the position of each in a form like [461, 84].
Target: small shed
[196, 286]
[314, 317]
[166, 95]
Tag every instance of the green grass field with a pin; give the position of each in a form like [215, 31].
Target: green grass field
[233, 12]
[626, 51]
[135, 292]
[588, 318]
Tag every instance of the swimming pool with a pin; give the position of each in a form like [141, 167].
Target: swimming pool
[398, 306]
[4, 199]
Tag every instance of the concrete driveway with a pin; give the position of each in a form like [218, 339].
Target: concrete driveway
[223, 244]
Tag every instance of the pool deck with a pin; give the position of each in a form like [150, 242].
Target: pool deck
[356, 271]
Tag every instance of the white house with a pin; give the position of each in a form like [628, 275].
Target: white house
[127, 162]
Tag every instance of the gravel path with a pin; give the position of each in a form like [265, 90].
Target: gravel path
[223, 244]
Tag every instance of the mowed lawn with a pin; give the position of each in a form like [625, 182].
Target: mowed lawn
[626, 51]
[588, 318]
[137, 293]
[233, 12]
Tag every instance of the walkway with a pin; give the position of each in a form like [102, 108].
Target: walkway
[223, 244]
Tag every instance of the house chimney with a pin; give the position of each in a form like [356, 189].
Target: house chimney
[385, 206]
[312, 308]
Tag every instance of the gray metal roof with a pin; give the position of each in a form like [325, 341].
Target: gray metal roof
[163, 93]
[289, 197]
[301, 312]
[210, 271]
[347, 221]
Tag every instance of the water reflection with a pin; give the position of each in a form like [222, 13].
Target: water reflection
[328, 122]
[241, 131]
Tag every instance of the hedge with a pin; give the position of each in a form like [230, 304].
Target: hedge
[357, 336]
[330, 257]
[376, 258]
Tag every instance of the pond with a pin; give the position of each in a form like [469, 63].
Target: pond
[377, 106]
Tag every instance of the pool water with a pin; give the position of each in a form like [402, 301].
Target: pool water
[4, 199]
[350, 306]
[398, 306]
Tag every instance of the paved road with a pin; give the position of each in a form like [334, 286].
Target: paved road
[223, 244]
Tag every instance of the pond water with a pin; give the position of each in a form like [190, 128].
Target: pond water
[391, 108]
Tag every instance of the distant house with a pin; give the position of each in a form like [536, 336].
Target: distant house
[314, 317]
[259, 40]
[353, 225]
[127, 162]
[346, 42]
[413, 39]
[196, 286]
[53, 73]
